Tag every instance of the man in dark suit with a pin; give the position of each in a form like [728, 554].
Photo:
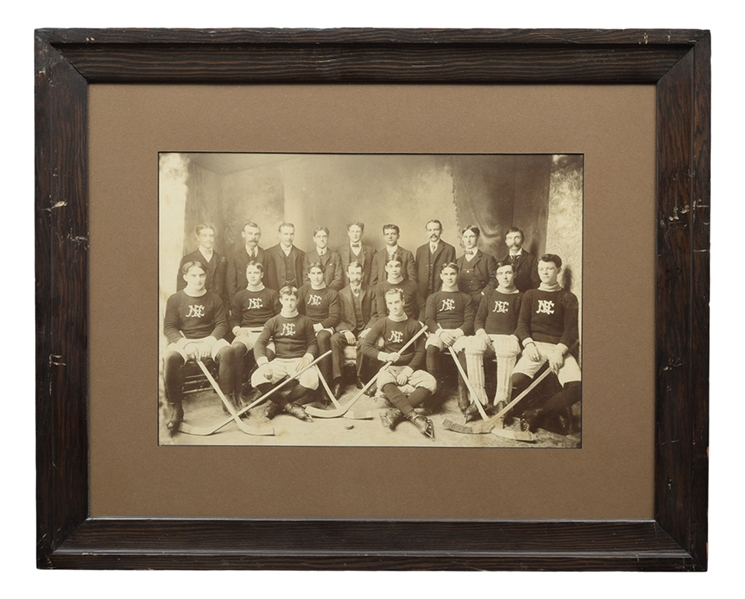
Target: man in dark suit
[391, 233]
[238, 260]
[329, 260]
[284, 261]
[477, 269]
[214, 263]
[356, 251]
[356, 313]
[524, 264]
[430, 258]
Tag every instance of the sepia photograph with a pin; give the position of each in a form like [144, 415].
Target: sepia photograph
[378, 300]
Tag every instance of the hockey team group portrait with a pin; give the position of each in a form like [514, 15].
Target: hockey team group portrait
[417, 300]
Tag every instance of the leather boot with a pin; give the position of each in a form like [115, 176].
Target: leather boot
[269, 412]
[177, 417]
[463, 401]
[423, 424]
[390, 418]
[298, 412]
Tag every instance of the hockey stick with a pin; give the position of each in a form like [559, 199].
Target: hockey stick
[352, 416]
[259, 431]
[316, 413]
[471, 390]
[486, 426]
[204, 431]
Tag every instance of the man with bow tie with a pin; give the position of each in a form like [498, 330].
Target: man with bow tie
[329, 260]
[356, 251]
[430, 258]
[238, 260]
[524, 264]
[477, 269]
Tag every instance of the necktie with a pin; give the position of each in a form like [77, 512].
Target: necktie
[356, 246]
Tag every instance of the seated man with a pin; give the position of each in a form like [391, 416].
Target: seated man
[547, 327]
[250, 310]
[195, 327]
[395, 280]
[329, 260]
[295, 348]
[449, 318]
[321, 305]
[405, 376]
[356, 312]
[495, 324]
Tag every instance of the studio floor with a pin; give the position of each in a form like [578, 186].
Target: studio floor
[204, 407]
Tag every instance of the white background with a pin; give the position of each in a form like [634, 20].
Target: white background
[17, 528]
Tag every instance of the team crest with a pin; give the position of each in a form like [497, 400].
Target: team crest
[501, 307]
[396, 337]
[314, 300]
[447, 305]
[545, 307]
[254, 303]
[195, 311]
[288, 329]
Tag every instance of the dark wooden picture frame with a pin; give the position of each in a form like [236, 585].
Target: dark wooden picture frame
[677, 62]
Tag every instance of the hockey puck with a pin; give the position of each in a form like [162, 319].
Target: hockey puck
[349, 426]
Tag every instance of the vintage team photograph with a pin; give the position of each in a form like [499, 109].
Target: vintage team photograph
[376, 300]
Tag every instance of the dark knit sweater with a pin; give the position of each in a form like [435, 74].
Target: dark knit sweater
[498, 312]
[196, 317]
[293, 337]
[395, 335]
[450, 310]
[549, 316]
[322, 306]
[253, 308]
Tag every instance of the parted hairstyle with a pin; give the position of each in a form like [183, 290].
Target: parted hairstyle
[359, 224]
[255, 264]
[199, 228]
[317, 229]
[285, 225]
[474, 229]
[434, 220]
[354, 264]
[396, 291]
[395, 257]
[189, 265]
[394, 227]
[289, 290]
[251, 224]
[315, 264]
[502, 263]
[514, 229]
[452, 265]
[551, 258]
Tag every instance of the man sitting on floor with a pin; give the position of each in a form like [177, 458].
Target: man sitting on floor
[404, 384]
[295, 348]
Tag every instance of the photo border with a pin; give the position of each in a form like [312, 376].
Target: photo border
[676, 61]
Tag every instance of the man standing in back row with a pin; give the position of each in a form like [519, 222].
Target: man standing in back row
[284, 264]
[356, 251]
[430, 258]
[524, 264]
[214, 264]
[391, 233]
[239, 259]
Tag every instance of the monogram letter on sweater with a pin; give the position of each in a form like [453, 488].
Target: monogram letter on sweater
[501, 307]
[396, 337]
[545, 307]
[447, 305]
[255, 303]
[314, 300]
[195, 311]
[288, 329]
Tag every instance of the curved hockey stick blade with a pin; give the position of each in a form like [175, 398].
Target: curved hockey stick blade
[338, 412]
[508, 433]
